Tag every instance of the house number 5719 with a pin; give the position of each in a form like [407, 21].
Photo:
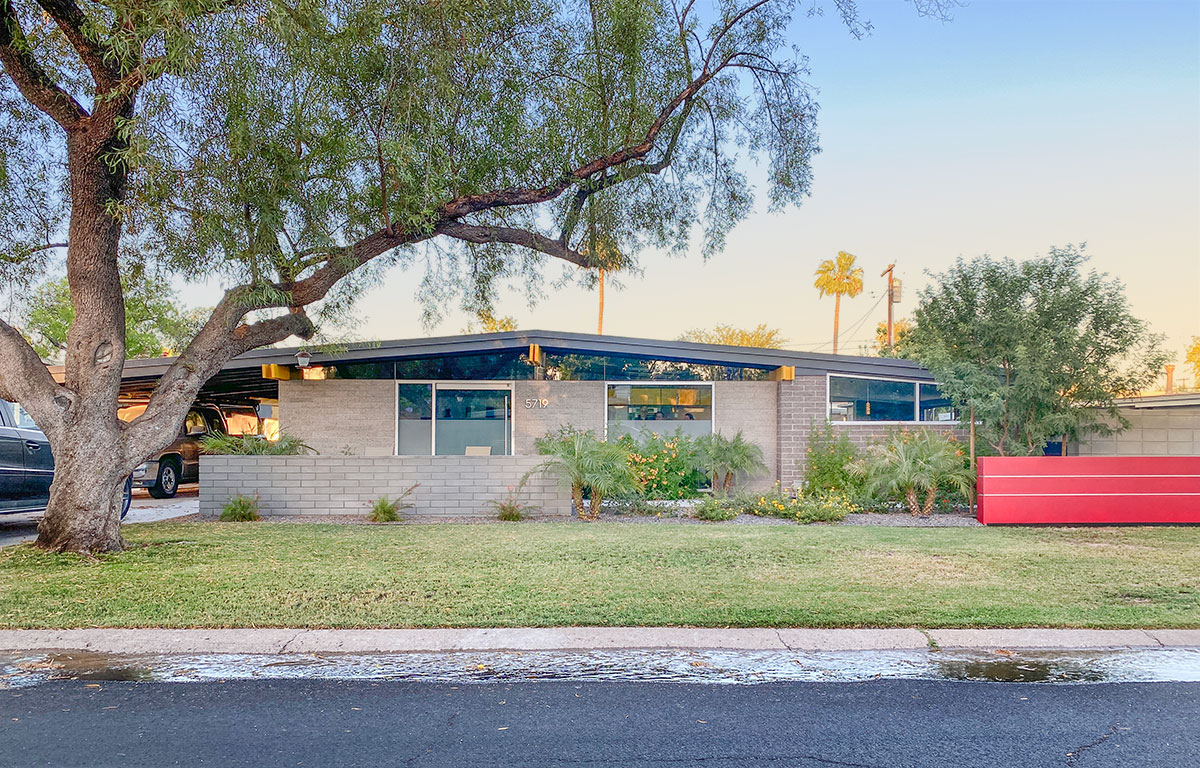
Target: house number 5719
[534, 402]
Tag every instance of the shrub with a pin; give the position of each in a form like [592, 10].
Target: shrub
[822, 507]
[665, 467]
[386, 510]
[828, 458]
[911, 463]
[584, 463]
[241, 509]
[715, 509]
[729, 458]
[511, 509]
[253, 445]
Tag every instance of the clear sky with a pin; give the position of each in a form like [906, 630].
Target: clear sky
[1015, 127]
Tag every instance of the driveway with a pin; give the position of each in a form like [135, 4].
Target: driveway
[15, 529]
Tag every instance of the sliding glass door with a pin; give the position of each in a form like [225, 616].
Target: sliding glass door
[454, 419]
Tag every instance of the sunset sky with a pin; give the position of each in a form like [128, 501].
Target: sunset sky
[1015, 127]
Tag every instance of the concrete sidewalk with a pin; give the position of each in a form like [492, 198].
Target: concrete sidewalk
[168, 641]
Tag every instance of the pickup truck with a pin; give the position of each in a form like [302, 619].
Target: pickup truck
[26, 464]
[180, 461]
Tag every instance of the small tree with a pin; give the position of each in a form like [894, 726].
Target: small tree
[1193, 360]
[584, 463]
[910, 464]
[1033, 350]
[728, 458]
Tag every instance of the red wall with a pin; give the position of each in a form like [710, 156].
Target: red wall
[1089, 489]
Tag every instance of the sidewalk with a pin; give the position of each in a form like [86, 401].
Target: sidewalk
[273, 641]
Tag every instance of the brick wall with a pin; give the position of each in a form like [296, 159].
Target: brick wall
[450, 486]
[750, 406]
[802, 406]
[333, 416]
[578, 403]
[1152, 432]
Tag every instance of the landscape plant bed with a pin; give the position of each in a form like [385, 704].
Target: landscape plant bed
[311, 575]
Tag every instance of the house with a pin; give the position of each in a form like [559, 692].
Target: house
[1159, 425]
[460, 414]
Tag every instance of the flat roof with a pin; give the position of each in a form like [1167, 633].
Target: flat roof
[557, 342]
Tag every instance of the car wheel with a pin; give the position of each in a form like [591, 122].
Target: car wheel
[127, 496]
[167, 482]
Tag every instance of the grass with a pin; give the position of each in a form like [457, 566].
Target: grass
[279, 574]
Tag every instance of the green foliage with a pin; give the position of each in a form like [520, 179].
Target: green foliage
[387, 510]
[827, 462]
[913, 463]
[241, 509]
[727, 459]
[585, 464]
[511, 509]
[253, 445]
[154, 322]
[665, 466]
[714, 509]
[758, 336]
[1036, 350]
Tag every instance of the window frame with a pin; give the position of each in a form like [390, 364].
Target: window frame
[916, 385]
[674, 384]
[477, 384]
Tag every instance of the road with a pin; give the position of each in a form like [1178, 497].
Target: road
[879, 724]
[15, 529]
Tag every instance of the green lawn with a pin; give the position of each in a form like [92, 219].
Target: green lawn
[277, 574]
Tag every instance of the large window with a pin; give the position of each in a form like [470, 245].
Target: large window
[633, 408]
[453, 419]
[852, 398]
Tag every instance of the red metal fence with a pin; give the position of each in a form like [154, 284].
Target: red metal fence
[1089, 489]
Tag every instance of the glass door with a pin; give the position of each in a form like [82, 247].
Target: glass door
[472, 421]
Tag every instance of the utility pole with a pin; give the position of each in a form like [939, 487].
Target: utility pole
[891, 329]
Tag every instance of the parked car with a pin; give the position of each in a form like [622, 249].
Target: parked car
[27, 465]
[180, 462]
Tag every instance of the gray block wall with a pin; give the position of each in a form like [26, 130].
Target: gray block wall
[750, 406]
[578, 403]
[1152, 432]
[341, 416]
[448, 486]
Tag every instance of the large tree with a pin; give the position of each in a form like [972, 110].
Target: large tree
[295, 150]
[1035, 350]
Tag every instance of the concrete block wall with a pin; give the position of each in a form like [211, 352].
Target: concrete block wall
[1152, 432]
[581, 404]
[337, 416]
[802, 406]
[449, 486]
[750, 406]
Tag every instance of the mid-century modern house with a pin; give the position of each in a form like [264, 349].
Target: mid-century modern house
[459, 415]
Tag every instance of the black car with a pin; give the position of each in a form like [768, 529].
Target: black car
[26, 463]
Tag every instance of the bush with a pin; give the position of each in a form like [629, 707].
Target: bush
[241, 509]
[665, 467]
[386, 510]
[585, 464]
[715, 509]
[821, 507]
[253, 445]
[727, 459]
[511, 509]
[828, 458]
[910, 464]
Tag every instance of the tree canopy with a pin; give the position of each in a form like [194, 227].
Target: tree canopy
[758, 336]
[1037, 349]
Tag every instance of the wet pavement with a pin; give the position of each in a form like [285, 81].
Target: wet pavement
[20, 669]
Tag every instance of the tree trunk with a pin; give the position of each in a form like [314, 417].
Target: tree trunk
[914, 504]
[728, 482]
[84, 513]
[930, 500]
[577, 497]
[837, 310]
[594, 505]
[600, 321]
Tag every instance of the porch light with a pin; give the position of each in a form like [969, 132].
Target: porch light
[303, 359]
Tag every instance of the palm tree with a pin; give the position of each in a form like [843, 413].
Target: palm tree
[608, 259]
[909, 464]
[838, 277]
[729, 458]
[584, 463]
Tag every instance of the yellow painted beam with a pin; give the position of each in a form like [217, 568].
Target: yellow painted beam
[784, 373]
[535, 354]
[279, 372]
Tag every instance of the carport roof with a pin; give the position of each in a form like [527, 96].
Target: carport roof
[248, 365]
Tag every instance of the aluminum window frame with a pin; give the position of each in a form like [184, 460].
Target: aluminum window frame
[675, 384]
[475, 384]
[886, 422]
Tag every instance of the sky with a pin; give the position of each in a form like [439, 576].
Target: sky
[1014, 127]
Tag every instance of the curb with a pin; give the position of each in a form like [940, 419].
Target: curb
[277, 641]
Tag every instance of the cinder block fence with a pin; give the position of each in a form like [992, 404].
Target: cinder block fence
[448, 486]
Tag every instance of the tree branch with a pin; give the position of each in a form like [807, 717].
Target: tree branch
[32, 80]
[475, 233]
[70, 19]
[25, 379]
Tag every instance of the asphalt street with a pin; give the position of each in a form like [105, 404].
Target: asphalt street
[880, 724]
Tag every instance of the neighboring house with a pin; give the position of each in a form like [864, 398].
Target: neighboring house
[1159, 425]
[489, 396]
